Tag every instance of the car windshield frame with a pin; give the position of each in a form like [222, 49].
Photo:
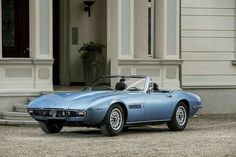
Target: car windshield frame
[145, 86]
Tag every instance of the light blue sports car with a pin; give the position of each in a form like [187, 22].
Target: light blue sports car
[114, 103]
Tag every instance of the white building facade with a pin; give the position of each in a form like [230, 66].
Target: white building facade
[25, 76]
[188, 44]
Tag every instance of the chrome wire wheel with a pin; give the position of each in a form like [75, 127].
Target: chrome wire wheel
[181, 115]
[116, 119]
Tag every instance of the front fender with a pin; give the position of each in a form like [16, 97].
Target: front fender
[97, 111]
[193, 100]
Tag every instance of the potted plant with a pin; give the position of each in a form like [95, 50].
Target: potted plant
[93, 60]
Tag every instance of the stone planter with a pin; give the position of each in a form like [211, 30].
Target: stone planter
[93, 67]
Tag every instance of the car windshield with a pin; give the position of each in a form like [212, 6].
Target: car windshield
[119, 83]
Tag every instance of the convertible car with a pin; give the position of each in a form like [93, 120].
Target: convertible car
[114, 103]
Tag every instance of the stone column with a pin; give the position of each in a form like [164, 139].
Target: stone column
[64, 42]
[0, 29]
[126, 29]
[112, 36]
[120, 32]
[41, 29]
[41, 47]
[170, 51]
[167, 41]
[167, 29]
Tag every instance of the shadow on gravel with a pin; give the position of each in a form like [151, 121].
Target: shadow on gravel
[74, 134]
[142, 130]
[97, 133]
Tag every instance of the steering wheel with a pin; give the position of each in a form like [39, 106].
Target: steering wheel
[108, 87]
[133, 89]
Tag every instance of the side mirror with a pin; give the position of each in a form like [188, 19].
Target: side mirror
[148, 91]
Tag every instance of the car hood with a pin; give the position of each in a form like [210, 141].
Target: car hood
[67, 100]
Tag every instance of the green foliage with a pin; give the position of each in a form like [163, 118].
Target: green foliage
[91, 49]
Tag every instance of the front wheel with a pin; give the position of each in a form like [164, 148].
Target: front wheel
[50, 128]
[113, 122]
[179, 118]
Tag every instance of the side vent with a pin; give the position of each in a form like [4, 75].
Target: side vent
[135, 106]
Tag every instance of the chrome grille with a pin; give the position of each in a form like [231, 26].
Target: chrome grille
[54, 113]
[36, 112]
[57, 113]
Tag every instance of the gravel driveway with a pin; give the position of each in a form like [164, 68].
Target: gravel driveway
[204, 136]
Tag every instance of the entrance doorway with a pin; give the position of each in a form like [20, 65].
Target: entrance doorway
[15, 28]
[72, 28]
[56, 42]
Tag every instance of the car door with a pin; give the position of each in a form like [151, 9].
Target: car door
[158, 106]
[136, 106]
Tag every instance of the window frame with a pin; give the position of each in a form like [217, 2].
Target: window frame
[151, 28]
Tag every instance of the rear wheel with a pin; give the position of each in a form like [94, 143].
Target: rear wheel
[113, 122]
[50, 128]
[179, 118]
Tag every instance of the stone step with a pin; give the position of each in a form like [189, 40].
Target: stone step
[18, 122]
[20, 108]
[16, 116]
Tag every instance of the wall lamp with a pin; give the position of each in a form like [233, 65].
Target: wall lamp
[88, 4]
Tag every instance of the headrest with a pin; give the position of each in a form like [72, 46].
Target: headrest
[121, 86]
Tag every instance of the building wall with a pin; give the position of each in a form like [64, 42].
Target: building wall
[208, 43]
[216, 101]
[208, 51]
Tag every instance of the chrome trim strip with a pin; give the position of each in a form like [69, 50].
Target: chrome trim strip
[151, 121]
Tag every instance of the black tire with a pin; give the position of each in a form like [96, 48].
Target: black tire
[50, 128]
[178, 123]
[109, 129]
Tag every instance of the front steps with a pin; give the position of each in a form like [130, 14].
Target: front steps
[18, 122]
[18, 116]
[20, 108]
